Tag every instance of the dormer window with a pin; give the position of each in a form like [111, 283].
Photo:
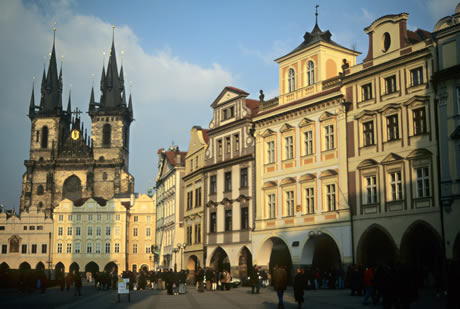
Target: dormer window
[386, 41]
[228, 113]
[310, 73]
[291, 80]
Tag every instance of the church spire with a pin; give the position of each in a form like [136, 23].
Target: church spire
[32, 103]
[130, 107]
[69, 104]
[92, 104]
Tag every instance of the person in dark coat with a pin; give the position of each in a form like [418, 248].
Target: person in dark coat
[199, 279]
[280, 281]
[299, 287]
[209, 279]
[253, 278]
[77, 280]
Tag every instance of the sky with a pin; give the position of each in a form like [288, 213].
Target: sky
[177, 57]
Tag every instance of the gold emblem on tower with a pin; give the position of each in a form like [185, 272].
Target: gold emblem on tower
[75, 134]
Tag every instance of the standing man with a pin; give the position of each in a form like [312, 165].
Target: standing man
[299, 287]
[77, 280]
[280, 283]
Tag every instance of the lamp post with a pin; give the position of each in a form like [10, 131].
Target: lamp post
[175, 264]
[182, 253]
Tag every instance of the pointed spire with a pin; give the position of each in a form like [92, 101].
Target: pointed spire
[316, 14]
[69, 103]
[130, 107]
[123, 100]
[92, 105]
[32, 102]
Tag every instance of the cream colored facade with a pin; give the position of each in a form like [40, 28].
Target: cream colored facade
[26, 240]
[302, 193]
[194, 194]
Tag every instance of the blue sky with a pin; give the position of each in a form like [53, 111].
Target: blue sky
[178, 55]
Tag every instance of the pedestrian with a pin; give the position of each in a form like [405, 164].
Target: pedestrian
[68, 281]
[280, 283]
[77, 280]
[200, 278]
[299, 287]
[214, 280]
[208, 274]
[254, 277]
[182, 280]
[368, 284]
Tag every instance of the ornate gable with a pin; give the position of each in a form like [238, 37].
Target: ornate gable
[326, 115]
[390, 158]
[305, 122]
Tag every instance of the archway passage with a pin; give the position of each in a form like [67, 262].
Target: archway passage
[74, 267]
[25, 266]
[326, 256]
[280, 256]
[111, 267]
[192, 263]
[59, 267]
[4, 267]
[91, 267]
[244, 262]
[144, 268]
[220, 260]
[376, 248]
[40, 266]
[421, 250]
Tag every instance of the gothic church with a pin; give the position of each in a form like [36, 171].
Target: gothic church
[66, 162]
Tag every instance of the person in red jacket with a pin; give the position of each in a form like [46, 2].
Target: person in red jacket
[368, 284]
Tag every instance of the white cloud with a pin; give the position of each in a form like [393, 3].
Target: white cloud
[278, 49]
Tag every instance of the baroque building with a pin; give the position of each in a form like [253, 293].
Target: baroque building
[64, 161]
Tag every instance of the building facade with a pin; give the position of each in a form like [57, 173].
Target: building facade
[230, 182]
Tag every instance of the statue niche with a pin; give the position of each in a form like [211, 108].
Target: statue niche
[72, 188]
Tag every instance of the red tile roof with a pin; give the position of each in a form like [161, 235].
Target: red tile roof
[253, 106]
[205, 135]
[171, 155]
[237, 90]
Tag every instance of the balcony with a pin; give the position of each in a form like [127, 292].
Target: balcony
[311, 90]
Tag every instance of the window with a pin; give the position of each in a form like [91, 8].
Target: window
[77, 247]
[69, 231]
[98, 217]
[419, 121]
[308, 142]
[392, 128]
[236, 140]
[106, 135]
[40, 190]
[149, 219]
[271, 151]
[61, 218]
[89, 247]
[69, 218]
[117, 247]
[69, 248]
[396, 186]
[25, 227]
[370, 195]
[107, 231]
[290, 209]
[368, 133]
[32, 228]
[198, 233]
[330, 195]
[244, 177]
[288, 148]
[134, 248]
[78, 217]
[4, 249]
[148, 232]
[390, 84]
[147, 248]
[227, 142]
[225, 114]
[423, 182]
[228, 220]
[90, 217]
[213, 222]
[232, 111]
[228, 181]
[108, 217]
[117, 217]
[310, 200]
[244, 218]
[24, 249]
[135, 232]
[291, 80]
[329, 137]
[191, 165]
[34, 249]
[196, 162]
[98, 231]
[44, 142]
[197, 197]
[416, 76]
[219, 147]
[98, 247]
[189, 200]
[310, 73]
[60, 231]
[107, 247]
[366, 92]
[189, 235]
[77, 231]
[136, 218]
[2, 227]
[271, 206]
[59, 248]
[117, 231]
[213, 185]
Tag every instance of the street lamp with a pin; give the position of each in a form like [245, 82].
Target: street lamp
[175, 264]
[182, 246]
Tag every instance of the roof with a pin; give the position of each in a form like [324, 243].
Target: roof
[237, 90]
[171, 155]
[253, 105]
[205, 135]
[418, 35]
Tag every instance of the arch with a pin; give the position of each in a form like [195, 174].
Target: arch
[291, 80]
[74, 267]
[59, 267]
[376, 247]
[40, 190]
[44, 141]
[40, 266]
[144, 268]
[456, 248]
[274, 251]
[92, 267]
[244, 262]
[310, 73]
[72, 188]
[421, 248]
[24, 266]
[106, 135]
[220, 260]
[321, 252]
[192, 263]
[111, 267]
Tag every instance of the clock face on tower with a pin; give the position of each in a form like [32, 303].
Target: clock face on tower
[75, 134]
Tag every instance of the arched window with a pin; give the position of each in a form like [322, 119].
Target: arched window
[72, 188]
[40, 190]
[291, 80]
[310, 73]
[44, 143]
[106, 135]
[125, 137]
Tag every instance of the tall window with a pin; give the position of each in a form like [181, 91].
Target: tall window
[197, 197]
[244, 218]
[228, 144]
[368, 133]
[135, 232]
[107, 231]
[416, 76]
[106, 135]
[134, 248]
[117, 248]
[271, 206]
[213, 222]
[289, 147]
[310, 200]
[271, 151]
[213, 184]
[291, 80]
[390, 84]
[40, 190]
[44, 248]
[308, 142]
[4, 249]
[34, 248]
[329, 137]
[107, 247]
[371, 190]
[290, 203]
[396, 186]
[331, 199]
[228, 220]
[98, 231]
[24, 249]
[69, 231]
[148, 232]
[189, 200]
[419, 121]
[117, 231]
[59, 248]
[236, 141]
[219, 147]
[89, 247]
[228, 181]
[198, 233]
[44, 141]
[77, 247]
[189, 235]
[77, 231]
[98, 247]
[60, 231]
[69, 248]
[392, 127]
[310, 73]
[244, 177]
[366, 92]
[423, 182]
